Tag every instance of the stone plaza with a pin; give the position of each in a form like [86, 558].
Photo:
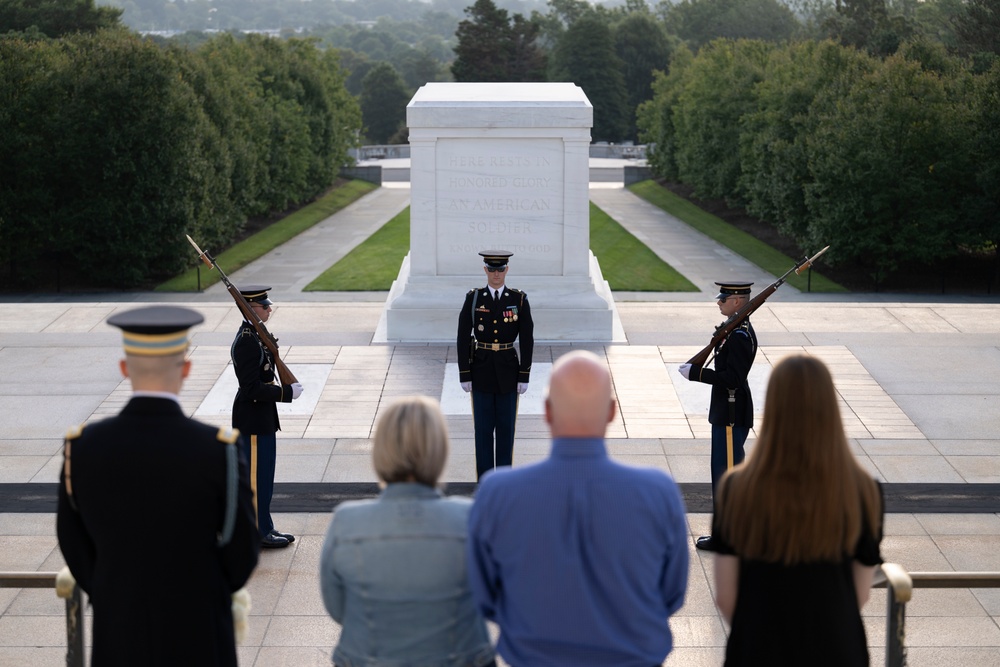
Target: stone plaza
[918, 378]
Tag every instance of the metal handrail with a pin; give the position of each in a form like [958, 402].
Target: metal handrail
[900, 584]
[65, 587]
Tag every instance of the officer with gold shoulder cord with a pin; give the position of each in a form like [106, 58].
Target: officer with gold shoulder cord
[731, 409]
[155, 513]
[491, 319]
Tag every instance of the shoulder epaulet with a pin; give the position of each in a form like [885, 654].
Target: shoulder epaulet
[71, 435]
[515, 290]
[472, 290]
[227, 435]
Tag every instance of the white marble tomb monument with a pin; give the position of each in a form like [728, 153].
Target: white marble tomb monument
[500, 166]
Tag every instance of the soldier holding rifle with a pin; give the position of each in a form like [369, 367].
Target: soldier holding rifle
[255, 411]
[731, 409]
[734, 347]
[265, 381]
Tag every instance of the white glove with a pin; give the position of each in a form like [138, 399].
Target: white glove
[685, 370]
[296, 390]
[522, 387]
[466, 387]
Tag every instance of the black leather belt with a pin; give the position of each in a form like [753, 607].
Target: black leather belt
[495, 347]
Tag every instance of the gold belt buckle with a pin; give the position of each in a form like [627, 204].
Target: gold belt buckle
[496, 347]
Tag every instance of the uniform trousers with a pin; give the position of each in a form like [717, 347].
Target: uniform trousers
[261, 453]
[493, 413]
[719, 454]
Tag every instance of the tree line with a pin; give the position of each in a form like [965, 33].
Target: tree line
[115, 147]
[891, 161]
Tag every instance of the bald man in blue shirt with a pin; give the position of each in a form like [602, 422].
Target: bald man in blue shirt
[580, 560]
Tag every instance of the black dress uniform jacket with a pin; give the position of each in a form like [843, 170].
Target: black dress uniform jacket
[255, 408]
[141, 535]
[489, 321]
[733, 358]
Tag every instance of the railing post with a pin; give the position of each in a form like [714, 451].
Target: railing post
[900, 589]
[895, 631]
[74, 629]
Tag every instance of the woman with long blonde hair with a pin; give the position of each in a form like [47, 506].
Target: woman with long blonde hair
[798, 527]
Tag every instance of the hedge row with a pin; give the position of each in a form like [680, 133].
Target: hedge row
[889, 161]
[114, 148]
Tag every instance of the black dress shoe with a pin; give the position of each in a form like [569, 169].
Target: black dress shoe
[287, 536]
[272, 541]
[705, 543]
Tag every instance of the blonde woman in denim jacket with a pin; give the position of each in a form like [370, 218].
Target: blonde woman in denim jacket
[393, 571]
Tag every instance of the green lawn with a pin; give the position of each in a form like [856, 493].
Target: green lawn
[628, 264]
[738, 241]
[268, 238]
[372, 265]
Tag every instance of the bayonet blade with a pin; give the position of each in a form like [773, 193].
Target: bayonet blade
[809, 262]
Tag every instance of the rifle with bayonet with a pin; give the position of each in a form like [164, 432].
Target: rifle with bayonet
[270, 342]
[734, 320]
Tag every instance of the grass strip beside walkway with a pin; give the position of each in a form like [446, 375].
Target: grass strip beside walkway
[627, 263]
[735, 239]
[372, 265]
[270, 237]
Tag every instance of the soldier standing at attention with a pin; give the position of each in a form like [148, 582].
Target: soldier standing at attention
[488, 366]
[155, 515]
[731, 409]
[255, 412]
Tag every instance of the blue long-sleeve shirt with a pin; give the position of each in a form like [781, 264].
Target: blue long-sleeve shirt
[579, 559]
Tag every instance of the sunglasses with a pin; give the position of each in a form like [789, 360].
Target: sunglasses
[493, 269]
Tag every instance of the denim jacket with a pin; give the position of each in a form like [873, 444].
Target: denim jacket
[393, 574]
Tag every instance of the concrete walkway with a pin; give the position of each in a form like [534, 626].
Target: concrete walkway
[918, 381]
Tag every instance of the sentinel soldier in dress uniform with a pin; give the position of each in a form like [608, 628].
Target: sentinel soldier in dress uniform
[488, 366]
[155, 516]
[731, 409]
[255, 412]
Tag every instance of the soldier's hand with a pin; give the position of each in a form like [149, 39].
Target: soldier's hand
[466, 387]
[296, 390]
[685, 370]
[522, 387]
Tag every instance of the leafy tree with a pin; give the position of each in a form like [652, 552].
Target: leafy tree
[383, 103]
[528, 62]
[698, 22]
[130, 174]
[655, 117]
[418, 68]
[30, 100]
[870, 25]
[312, 118]
[483, 47]
[718, 92]
[494, 47]
[586, 56]
[774, 161]
[936, 19]
[357, 65]
[983, 207]
[884, 165]
[643, 47]
[55, 18]
[978, 26]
